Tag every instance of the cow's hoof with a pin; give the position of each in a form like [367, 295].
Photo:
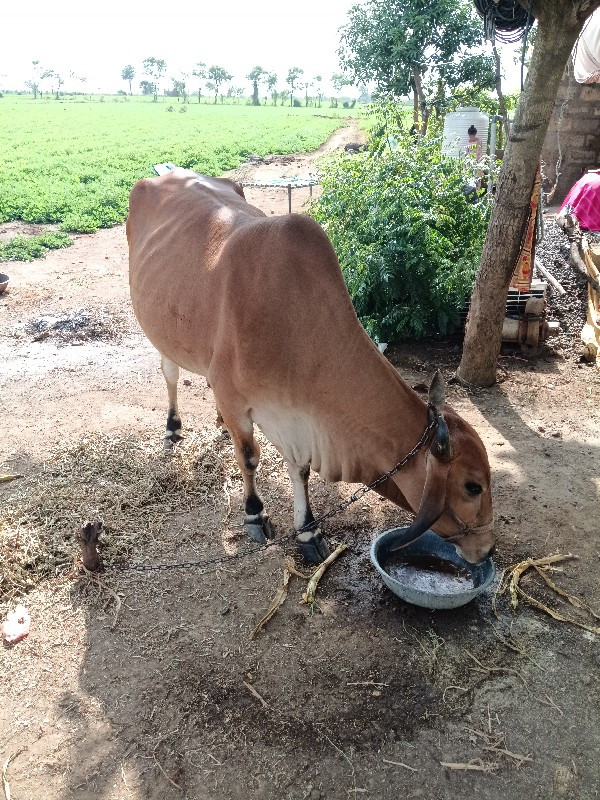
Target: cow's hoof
[313, 546]
[170, 440]
[259, 528]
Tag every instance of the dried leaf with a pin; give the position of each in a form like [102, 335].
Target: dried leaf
[277, 601]
[311, 590]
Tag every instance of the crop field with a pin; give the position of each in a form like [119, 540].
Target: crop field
[74, 161]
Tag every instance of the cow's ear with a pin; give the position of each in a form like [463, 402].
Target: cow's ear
[437, 390]
[440, 446]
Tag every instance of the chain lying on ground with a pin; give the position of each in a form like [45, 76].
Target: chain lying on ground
[337, 509]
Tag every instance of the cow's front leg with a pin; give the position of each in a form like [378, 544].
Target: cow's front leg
[310, 540]
[247, 453]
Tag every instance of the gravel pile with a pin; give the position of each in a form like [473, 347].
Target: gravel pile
[570, 308]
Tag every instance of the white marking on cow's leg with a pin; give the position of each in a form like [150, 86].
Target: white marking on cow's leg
[171, 372]
[311, 543]
[299, 478]
[247, 453]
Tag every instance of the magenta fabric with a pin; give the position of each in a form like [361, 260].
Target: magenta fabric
[584, 199]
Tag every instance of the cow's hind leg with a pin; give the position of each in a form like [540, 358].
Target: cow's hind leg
[310, 540]
[171, 372]
[247, 453]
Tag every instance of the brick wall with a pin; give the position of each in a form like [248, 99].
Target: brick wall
[579, 132]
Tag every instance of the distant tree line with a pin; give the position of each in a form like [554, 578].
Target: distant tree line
[200, 80]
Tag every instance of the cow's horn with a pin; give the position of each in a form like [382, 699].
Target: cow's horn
[432, 505]
[437, 390]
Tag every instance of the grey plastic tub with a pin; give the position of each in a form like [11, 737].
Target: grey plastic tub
[433, 545]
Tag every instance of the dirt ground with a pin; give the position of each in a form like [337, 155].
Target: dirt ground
[362, 696]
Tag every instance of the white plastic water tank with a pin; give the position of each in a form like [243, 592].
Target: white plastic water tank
[456, 125]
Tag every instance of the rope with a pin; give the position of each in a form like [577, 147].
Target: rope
[528, 25]
[567, 99]
[505, 20]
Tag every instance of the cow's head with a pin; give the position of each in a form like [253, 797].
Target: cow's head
[456, 501]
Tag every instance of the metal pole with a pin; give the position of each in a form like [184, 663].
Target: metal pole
[289, 198]
[495, 119]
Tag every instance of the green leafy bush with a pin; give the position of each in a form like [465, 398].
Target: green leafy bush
[26, 248]
[407, 238]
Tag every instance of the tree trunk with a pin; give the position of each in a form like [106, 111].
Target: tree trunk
[559, 23]
[418, 86]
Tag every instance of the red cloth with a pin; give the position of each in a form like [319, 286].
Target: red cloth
[584, 199]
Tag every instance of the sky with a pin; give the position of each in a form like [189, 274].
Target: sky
[98, 40]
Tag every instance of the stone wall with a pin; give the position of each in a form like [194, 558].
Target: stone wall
[577, 126]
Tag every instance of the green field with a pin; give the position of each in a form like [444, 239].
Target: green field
[74, 161]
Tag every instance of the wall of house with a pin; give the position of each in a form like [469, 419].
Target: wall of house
[575, 125]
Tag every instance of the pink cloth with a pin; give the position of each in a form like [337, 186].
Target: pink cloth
[584, 199]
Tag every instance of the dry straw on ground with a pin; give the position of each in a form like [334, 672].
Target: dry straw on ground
[510, 582]
[130, 483]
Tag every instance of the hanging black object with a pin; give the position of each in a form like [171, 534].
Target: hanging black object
[505, 20]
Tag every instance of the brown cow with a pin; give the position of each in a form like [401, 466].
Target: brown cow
[258, 305]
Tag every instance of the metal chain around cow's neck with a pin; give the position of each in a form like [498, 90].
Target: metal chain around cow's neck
[337, 509]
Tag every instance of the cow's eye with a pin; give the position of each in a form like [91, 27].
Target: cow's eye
[473, 488]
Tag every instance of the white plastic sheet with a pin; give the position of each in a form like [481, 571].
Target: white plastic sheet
[587, 53]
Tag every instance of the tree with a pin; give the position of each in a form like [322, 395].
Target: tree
[128, 74]
[183, 79]
[199, 72]
[414, 47]
[178, 89]
[235, 93]
[559, 25]
[148, 87]
[35, 83]
[271, 84]
[55, 79]
[255, 76]
[339, 80]
[154, 68]
[293, 74]
[217, 76]
[318, 79]
[306, 86]
[81, 78]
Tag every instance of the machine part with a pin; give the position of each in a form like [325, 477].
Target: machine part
[530, 331]
[527, 324]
